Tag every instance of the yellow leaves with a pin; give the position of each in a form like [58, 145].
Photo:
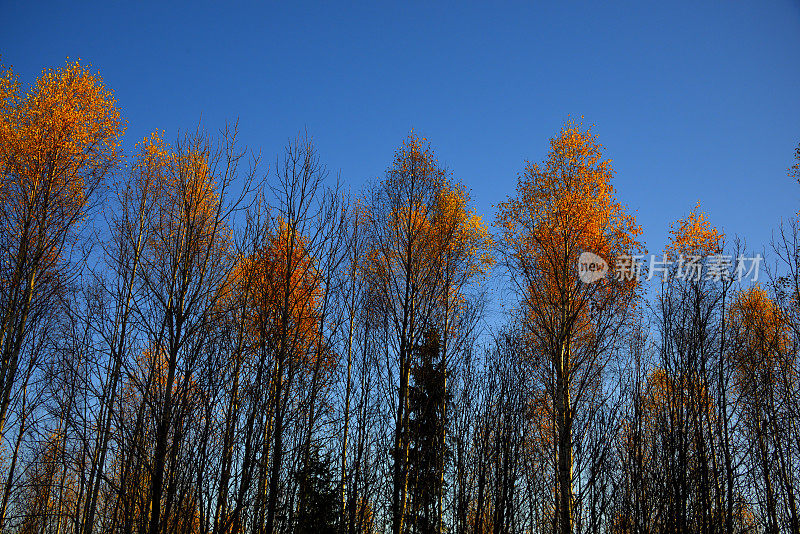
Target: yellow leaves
[58, 140]
[430, 222]
[794, 170]
[666, 395]
[480, 517]
[563, 207]
[569, 201]
[414, 164]
[764, 336]
[661, 389]
[182, 189]
[694, 236]
[9, 91]
[458, 230]
[755, 310]
[427, 244]
[66, 125]
[63, 128]
[279, 279]
[153, 152]
[541, 435]
[192, 188]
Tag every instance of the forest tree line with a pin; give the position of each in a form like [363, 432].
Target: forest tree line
[195, 339]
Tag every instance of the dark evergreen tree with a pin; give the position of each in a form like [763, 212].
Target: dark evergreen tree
[428, 404]
[320, 509]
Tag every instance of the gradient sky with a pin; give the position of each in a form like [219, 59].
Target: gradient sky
[694, 101]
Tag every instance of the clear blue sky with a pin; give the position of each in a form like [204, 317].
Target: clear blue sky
[693, 100]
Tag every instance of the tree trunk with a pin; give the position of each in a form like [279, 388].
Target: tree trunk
[564, 428]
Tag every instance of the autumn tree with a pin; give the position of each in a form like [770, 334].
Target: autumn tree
[111, 305]
[691, 326]
[398, 274]
[58, 141]
[765, 369]
[775, 335]
[426, 245]
[563, 207]
[303, 208]
[178, 235]
[229, 351]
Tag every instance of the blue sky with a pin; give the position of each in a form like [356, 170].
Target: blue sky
[694, 101]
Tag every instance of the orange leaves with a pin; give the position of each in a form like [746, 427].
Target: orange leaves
[66, 127]
[190, 197]
[794, 170]
[764, 337]
[459, 231]
[150, 167]
[153, 153]
[182, 191]
[563, 207]
[666, 396]
[756, 311]
[430, 213]
[427, 244]
[57, 142]
[9, 92]
[446, 230]
[414, 162]
[153, 366]
[694, 236]
[542, 433]
[567, 203]
[277, 283]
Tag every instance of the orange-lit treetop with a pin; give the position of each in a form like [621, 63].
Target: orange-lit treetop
[763, 337]
[57, 141]
[265, 282]
[694, 236]
[563, 207]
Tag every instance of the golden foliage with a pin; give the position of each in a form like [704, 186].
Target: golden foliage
[458, 232]
[763, 332]
[279, 279]
[542, 432]
[64, 128]
[694, 236]
[57, 140]
[666, 403]
[794, 170]
[665, 392]
[364, 516]
[186, 200]
[430, 228]
[562, 208]
[45, 501]
[567, 204]
[414, 163]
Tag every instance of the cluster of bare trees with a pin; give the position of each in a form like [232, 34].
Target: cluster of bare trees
[195, 341]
